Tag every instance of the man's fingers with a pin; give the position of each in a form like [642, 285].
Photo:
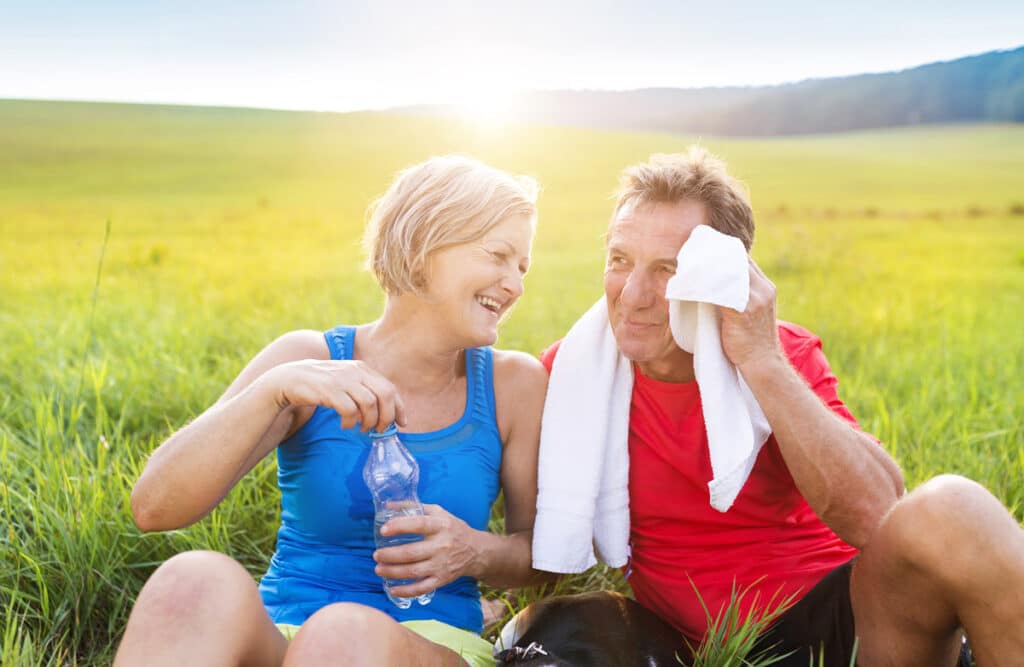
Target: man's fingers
[755, 268]
[755, 271]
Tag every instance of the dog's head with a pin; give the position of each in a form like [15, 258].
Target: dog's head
[600, 629]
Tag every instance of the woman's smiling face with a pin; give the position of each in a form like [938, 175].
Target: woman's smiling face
[472, 285]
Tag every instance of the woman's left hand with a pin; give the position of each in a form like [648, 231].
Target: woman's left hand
[445, 553]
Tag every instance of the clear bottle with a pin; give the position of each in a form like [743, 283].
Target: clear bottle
[391, 474]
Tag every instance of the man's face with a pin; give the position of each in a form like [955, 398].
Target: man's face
[643, 242]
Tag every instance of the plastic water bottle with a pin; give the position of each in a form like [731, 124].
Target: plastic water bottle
[391, 474]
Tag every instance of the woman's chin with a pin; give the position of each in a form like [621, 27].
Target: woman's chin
[484, 337]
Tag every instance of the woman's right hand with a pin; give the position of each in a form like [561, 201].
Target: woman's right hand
[357, 392]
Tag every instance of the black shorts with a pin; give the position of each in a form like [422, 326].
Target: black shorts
[822, 619]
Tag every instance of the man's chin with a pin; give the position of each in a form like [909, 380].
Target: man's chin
[633, 350]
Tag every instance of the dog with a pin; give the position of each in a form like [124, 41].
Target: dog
[599, 629]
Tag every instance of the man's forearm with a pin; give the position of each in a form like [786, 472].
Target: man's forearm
[848, 480]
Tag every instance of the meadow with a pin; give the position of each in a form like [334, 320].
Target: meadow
[146, 253]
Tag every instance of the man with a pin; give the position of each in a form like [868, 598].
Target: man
[823, 516]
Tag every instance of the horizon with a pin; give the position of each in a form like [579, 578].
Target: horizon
[516, 93]
[315, 56]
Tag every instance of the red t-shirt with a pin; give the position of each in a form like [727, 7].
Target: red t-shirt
[770, 540]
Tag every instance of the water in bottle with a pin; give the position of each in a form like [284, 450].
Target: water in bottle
[391, 474]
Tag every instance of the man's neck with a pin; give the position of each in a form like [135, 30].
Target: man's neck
[676, 368]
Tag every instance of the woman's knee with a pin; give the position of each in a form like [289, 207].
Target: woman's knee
[190, 582]
[344, 633]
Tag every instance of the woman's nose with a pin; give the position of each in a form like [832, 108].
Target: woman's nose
[513, 284]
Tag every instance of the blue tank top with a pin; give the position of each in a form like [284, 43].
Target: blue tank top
[325, 544]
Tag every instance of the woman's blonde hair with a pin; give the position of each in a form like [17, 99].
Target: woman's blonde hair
[436, 204]
[695, 175]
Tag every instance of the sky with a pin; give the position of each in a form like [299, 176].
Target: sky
[345, 56]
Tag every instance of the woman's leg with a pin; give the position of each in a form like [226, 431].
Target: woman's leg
[200, 608]
[360, 636]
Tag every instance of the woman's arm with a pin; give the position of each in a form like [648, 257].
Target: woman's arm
[192, 471]
[521, 384]
[451, 548]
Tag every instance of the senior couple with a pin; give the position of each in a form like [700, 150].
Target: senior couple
[819, 517]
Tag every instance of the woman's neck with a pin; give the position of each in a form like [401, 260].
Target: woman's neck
[405, 346]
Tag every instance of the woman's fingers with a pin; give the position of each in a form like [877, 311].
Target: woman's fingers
[421, 587]
[356, 391]
[347, 408]
[406, 569]
[388, 405]
[409, 561]
[369, 408]
[445, 553]
[420, 524]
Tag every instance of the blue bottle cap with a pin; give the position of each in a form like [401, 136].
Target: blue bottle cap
[391, 430]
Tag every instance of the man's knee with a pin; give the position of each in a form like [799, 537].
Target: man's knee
[931, 525]
[344, 633]
[193, 581]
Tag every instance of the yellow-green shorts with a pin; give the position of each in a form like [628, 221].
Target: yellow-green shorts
[473, 648]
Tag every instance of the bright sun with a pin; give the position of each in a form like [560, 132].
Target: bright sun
[489, 108]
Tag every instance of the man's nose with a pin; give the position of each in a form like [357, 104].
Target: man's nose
[639, 291]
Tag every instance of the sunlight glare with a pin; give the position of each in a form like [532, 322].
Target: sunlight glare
[489, 108]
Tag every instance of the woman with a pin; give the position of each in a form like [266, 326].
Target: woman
[450, 244]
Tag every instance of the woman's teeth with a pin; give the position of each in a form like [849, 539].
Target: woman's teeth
[489, 303]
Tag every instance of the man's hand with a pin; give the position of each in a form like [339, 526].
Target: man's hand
[751, 337]
[445, 553]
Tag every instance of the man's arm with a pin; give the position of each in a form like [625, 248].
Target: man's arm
[847, 479]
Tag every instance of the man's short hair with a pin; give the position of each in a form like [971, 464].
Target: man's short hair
[696, 175]
[436, 204]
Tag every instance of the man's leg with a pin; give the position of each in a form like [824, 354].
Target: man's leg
[946, 556]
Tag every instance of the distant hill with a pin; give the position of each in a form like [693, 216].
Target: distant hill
[982, 88]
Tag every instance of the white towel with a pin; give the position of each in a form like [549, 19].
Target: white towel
[583, 475]
[583, 478]
[713, 270]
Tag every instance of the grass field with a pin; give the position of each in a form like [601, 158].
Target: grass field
[903, 249]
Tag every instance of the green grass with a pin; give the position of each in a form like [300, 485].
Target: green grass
[902, 249]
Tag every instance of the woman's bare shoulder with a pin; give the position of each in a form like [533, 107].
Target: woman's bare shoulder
[520, 384]
[512, 367]
[300, 344]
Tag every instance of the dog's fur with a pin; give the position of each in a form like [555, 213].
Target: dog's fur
[600, 629]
